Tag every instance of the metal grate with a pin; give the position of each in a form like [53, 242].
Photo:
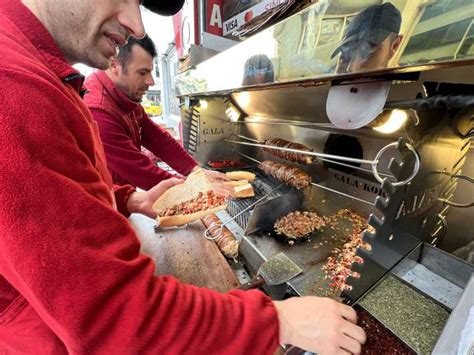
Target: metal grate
[262, 185]
[191, 129]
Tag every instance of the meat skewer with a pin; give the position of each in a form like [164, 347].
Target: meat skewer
[287, 174]
[290, 156]
[225, 240]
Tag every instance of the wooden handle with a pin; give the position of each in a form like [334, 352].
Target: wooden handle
[256, 282]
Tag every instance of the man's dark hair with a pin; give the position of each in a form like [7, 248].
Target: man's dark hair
[125, 52]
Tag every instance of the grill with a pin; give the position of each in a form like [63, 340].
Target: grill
[414, 184]
[406, 197]
[262, 186]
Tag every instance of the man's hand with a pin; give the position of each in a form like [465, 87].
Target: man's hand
[319, 325]
[217, 180]
[212, 176]
[142, 201]
[215, 176]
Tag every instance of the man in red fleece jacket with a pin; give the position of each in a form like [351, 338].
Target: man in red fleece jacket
[72, 279]
[113, 96]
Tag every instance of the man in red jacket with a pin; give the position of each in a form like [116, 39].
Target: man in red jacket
[113, 96]
[72, 279]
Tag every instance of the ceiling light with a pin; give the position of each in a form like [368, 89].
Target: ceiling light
[203, 104]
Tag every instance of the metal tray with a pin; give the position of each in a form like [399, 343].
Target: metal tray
[438, 277]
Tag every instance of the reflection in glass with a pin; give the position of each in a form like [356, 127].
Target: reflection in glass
[445, 32]
[258, 69]
[331, 30]
[370, 40]
[466, 48]
[334, 37]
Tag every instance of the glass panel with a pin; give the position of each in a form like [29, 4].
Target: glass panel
[341, 37]
[467, 45]
[443, 33]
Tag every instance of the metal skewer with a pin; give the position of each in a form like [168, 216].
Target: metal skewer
[317, 185]
[314, 154]
[247, 138]
[374, 163]
[287, 122]
[325, 159]
[354, 167]
[248, 157]
[342, 193]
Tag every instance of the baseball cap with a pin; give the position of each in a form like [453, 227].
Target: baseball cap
[373, 25]
[163, 7]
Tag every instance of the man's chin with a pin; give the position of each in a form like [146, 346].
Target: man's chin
[138, 98]
[99, 62]
[104, 64]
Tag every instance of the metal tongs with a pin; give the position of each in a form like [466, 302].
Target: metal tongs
[220, 227]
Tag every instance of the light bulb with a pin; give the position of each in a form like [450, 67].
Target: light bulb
[203, 104]
[395, 121]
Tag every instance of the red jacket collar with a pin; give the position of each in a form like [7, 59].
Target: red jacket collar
[42, 40]
[116, 93]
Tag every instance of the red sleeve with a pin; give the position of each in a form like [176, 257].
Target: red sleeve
[164, 146]
[77, 261]
[122, 194]
[123, 157]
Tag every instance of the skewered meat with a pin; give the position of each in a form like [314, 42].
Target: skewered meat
[226, 242]
[287, 174]
[298, 224]
[290, 156]
[224, 163]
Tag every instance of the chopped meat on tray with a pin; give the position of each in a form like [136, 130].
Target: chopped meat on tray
[299, 224]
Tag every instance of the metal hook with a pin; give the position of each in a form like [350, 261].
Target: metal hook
[213, 226]
[398, 183]
[455, 204]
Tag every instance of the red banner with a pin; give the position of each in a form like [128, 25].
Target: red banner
[214, 17]
[177, 34]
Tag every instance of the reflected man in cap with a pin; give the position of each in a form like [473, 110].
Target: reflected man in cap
[371, 39]
[258, 69]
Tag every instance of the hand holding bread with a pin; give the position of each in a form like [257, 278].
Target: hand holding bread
[190, 201]
[142, 201]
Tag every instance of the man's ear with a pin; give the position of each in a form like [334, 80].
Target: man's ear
[395, 45]
[114, 66]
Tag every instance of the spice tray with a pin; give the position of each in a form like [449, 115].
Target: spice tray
[380, 339]
[415, 299]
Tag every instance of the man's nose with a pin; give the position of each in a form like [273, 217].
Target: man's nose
[149, 80]
[130, 18]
